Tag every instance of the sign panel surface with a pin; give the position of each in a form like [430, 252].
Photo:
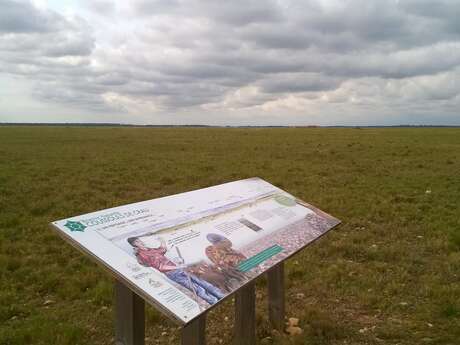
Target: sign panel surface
[186, 252]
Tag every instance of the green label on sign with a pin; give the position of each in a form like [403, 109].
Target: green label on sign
[285, 200]
[260, 257]
[75, 226]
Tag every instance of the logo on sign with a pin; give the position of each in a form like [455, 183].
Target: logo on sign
[75, 226]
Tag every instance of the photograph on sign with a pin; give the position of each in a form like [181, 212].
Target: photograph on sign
[184, 253]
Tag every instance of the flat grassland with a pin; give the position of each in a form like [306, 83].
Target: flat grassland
[390, 274]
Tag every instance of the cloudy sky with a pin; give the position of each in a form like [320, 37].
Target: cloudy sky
[266, 62]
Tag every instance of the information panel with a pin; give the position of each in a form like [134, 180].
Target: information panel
[184, 253]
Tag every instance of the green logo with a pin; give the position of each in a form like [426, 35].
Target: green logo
[285, 200]
[75, 226]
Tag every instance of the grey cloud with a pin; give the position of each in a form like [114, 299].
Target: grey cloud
[299, 82]
[445, 12]
[78, 45]
[400, 64]
[21, 17]
[351, 26]
[377, 20]
[46, 47]
[102, 7]
[29, 47]
[55, 93]
[242, 12]
[62, 37]
[112, 79]
[433, 8]
[237, 12]
[155, 7]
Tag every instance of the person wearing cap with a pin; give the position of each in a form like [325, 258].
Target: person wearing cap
[155, 258]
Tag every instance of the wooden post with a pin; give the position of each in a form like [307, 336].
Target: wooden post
[245, 315]
[129, 316]
[276, 297]
[194, 333]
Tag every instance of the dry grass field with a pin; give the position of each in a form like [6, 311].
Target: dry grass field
[390, 274]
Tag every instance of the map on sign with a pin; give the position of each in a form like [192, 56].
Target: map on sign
[184, 253]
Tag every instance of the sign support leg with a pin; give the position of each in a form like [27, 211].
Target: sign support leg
[245, 315]
[276, 306]
[129, 316]
[194, 333]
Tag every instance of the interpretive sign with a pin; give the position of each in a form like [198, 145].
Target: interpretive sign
[186, 252]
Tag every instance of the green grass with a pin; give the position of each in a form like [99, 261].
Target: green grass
[390, 274]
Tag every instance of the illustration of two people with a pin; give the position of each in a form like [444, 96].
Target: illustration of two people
[220, 253]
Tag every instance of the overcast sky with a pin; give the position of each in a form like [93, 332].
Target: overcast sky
[326, 62]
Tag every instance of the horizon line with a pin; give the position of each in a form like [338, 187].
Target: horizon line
[115, 124]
